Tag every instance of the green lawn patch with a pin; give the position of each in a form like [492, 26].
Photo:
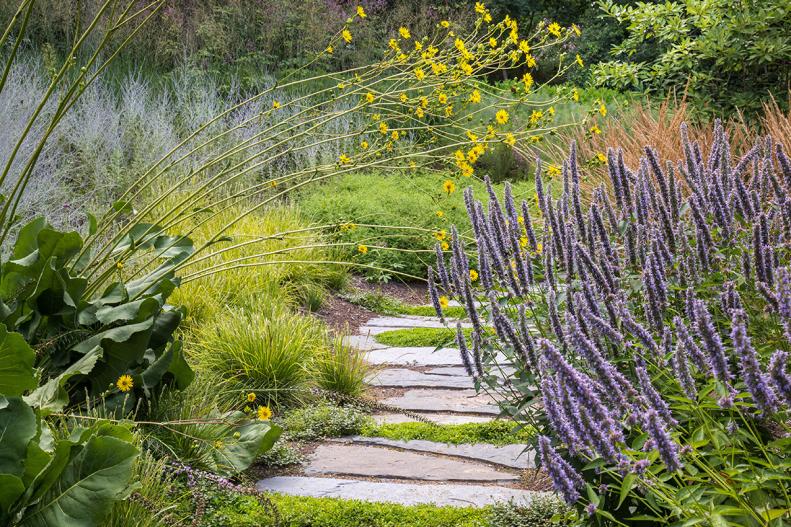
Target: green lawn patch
[498, 432]
[386, 305]
[414, 337]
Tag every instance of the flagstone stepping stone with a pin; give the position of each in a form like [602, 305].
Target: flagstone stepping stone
[402, 493]
[436, 418]
[446, 401]
[404, 378]
[363, 342]
[386, 463]
[415, 356]
[406, 321]
[454, 371]
[511, 456]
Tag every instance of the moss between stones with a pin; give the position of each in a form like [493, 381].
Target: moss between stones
[498, 432]
[414, 337]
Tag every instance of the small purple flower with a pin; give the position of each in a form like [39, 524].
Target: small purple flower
[655, 400]
[432, 293]
[753, 377]
[565, 479]
[778, 376]
[668, 449]
[461, 341]
[717, 359]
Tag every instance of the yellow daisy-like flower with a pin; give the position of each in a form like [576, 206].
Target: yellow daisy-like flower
[330, 50]
[501, 117]
[576, 29]
[264, 413]
[579, 61]
[449, 110]
[460, 157]
[603, 110]
[473, 275]
[119, 265]
[471, 136]
[595, 130]
[444, 246]
[553, 170]
[361, 12]
[443, 302]
[404, 32]
[575, 95]
[554, 29]
[251, 397]
[442, 98]
[510, 139]
[530, 61]
[601, 157]
[487, 17]
[418, 46]
[395, 135]
[492, 42]
[364, 145]
[523, 242]
[393, 43]
[348, 226]
[346, 35]
[424, 102]
[343, 159]
[441, 235]
[524, 47]
[467, 170]
[445, 24]
[275, 105]
[362, 249]
[536, 116]
[125, 383]
[420, 74]
[341, 86]
[480, 8]
[403, 97]
[539, 248]
[475, 96]
[440, 214]
[383, 128]
[375, 117]
[466, 69]
[449, 186]
[527, 79]
[419, 112]
[369, 97]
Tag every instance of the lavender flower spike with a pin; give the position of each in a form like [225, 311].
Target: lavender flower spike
[461, 340]
[668, 450]
[778, 376]
[712, 343]
[432, 293]
[565, 479]
[755, 380]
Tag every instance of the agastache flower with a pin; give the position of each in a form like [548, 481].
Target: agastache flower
[565, 479]
[668, 449]
[752, 375]
[461, 341]
[690, 349]
[681, 371]
[655, 400]
[715, 352]
[442, 272]
[778, 376]
[434, 295]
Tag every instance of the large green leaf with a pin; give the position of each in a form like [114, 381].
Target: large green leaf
[52, 396]
[16, 364]
[171, 361]
[17, 429]
[255, 438]
[90, 482]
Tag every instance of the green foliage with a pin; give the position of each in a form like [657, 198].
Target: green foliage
[726, 54]
[499, 432]
[230, 510]
[542, 512]
[87, 343]
[322, 420]
[395, 215]
[386, 305]
[280, 455]
[341, 369]
[412, 337]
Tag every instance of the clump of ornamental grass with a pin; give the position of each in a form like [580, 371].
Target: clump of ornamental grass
[341, 369]
[650, 330]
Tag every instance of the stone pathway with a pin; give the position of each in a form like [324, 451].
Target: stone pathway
[432, 384]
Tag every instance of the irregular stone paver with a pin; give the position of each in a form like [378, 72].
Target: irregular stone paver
[511, 456]
[454, 371]
[411, 321]
[450, 401]
[363, 342]
[403, 493]
[371, 461]
[440, 419]
[419, 356]
[404, 378]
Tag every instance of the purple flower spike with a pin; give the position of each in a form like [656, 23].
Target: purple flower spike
[565, 479]
[717, 359]
[754, 379]
[653, 397]
[668, 450]
[778, 376]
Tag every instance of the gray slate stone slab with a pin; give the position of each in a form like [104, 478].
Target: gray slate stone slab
[417, 356]
[371, 461]
[447, 401]
[362, 342]
[511, 456]
[403, 493]
[459, 371]
[404, 378]
[407, 321]
[440, 419]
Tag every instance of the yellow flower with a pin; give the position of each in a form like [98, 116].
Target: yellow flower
[420, 74]
[471, 136]
[443, 302]
[553, 170]
[346, 35]
[472, 156]
[369, 97]
[445, 24]
[424, 102]
[551, 110]
[419, 112]
[362, 249]
[475, 96]
[480, 8]
[524, 47]
[383, 128]
[364, 145]
[275, 105]
[329, 49]
[501, 117]
[466, 69]
[579, 60]
[119, 265]
[125, 383]
[603, 110]
[341, 85]
[441, 235]
[449, 186]
[418, 46]
[595, 130]
[444, 246]
[361, 12]
[264, 413]
[442, 98]
[530, 61]
[576, 29]
[554, 29]
[575, 95]
[539, 248]
[344, 159]
[536, 116]
[403, 97]
[440, 214]
[449, 110]
[393, 43]
[527, 79]
[487, 17]
[492, 42]
[523, 242]
[510, 140]
[473, 275]
[395, 135]
[375, 117]
[601, 157]
[348, 226]
[250, 397]
[467, 170]
[404, 32]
